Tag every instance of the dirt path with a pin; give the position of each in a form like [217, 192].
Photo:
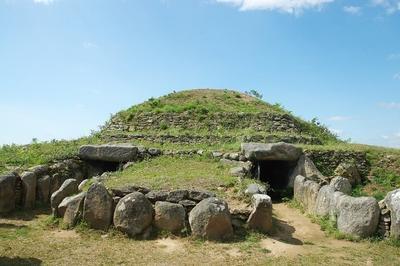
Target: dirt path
[297, 235]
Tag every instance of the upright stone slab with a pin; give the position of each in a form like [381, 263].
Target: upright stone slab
[306, 193]
[98, 207]
[272, 151]
[324, 203]
[29, 190]
[392, 201]
[43, 189]
[305, 167]
[261, 217]
[358, 216]
[7, 193]
[71, 209]
[68, 188]
[210, 219]
[133, 214]
[110, 153]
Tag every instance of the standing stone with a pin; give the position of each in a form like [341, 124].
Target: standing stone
[305, 167]
[68, 188]
[43, 189]
[71, 208]
[323, 204]
[133, 214]
[29, 190]
[211, 219]
[349, 171]
[392, 201]
[261, 217]
[56, 181]
[341, 184]
[7, 193]
[358, 216]
[169, 216]
[98, 207]
[306, 193]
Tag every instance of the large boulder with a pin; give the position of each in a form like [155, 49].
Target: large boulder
[357, 216]
[392, 201]
[133, 214]
[71, 208]
[255, 188]
[29, 189]
[341, 184]
[261, 217]
[305, 167]
[210, 219]
[272, 151]
[43, 189]
[349, 171]
[111, 153]
[306, 193]
[98, 207]
[169, 216]
[324, 203]
[68, 188]
[7, 193]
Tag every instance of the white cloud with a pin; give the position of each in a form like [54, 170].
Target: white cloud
[89, 45]
[354, 10]
[390, 105]
[336, 131]
[394, 56]
[396, 76]
[390, 6]
[289, 6]
[339, 118]
[44, 2]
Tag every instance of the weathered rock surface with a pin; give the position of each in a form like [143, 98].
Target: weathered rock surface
[238, 171]
[254, 188]
[306, 192]
[349, 171]
[71, 209]
[98, 207]
[68, 188]
[341, 184]
[305, 167]
[169, 216]
[273, 151]
[133, 214]
[126, 190]
[43, 189]
[176, 196]
[358, 216]
[261, 217]
[392, 201]
[29, 189]
[110, 153]
[154, 196]
[324, 203]
[7, 193]
[198, 195]
[56, 180]
[211, 219]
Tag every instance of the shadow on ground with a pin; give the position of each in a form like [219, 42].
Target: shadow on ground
[19, 261]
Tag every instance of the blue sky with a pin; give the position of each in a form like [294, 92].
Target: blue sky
[66, 65]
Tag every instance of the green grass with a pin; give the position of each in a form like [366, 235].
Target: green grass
[174, 173]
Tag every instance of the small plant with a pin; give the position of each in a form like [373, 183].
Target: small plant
[254, 93]
[163, 125]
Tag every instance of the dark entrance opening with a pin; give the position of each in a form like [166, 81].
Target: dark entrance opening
[96, 168]
[276, 174]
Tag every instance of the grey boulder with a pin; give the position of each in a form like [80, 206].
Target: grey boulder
[198, 195]
[109, 152]
[254, 188]
[324, 203]
[305, 167]
[7, 193]
[272, 151]
[71, 209]
[176, 196]
[349, 171]
[133, 214]
[68, 188]
[29, 189]
[341, 184]
[98, 207]
[210, 219]
[358, 216]
[43, 189]
[169, 216]
[154, 196]
[306, 193]
[261, 217]
[392, 201]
